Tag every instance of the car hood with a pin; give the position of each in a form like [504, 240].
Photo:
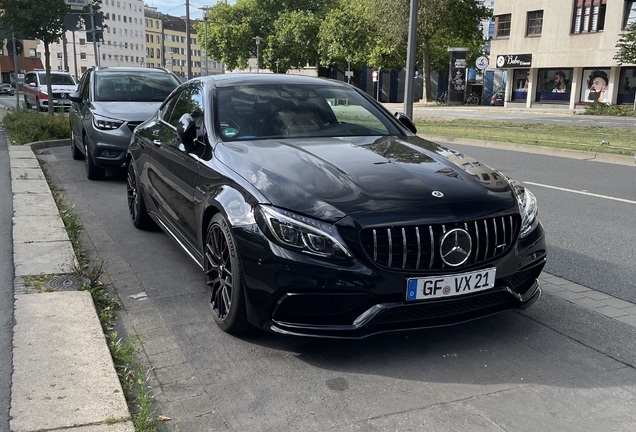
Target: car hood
[128, 111]
[374, 180]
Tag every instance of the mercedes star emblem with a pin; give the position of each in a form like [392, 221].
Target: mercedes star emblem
[455, 247]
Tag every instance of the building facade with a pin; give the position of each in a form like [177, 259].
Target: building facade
[561, 52]
[32, 57]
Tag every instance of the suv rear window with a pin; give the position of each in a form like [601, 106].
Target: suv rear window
[134, 86]
[56, 79]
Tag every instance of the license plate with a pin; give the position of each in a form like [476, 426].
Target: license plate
[450, 285]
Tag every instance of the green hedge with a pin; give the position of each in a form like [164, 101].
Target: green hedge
[25, 126]
[610, 110]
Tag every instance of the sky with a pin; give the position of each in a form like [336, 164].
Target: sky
[178, 8]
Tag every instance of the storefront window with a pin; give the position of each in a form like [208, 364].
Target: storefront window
[554, 85]
[594, 85]
[520, 91]
[627, 86]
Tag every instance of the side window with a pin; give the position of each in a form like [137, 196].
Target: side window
[84, 86]
[190, 102]
[168, 108]
[29, 78]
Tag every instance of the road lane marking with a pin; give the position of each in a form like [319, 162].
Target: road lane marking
[581, 193]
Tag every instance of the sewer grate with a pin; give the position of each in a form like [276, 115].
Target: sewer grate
[66, 282]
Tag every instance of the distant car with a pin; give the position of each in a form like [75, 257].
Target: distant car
[36, 93]
[7, 89]
[110, 103]
[313, 211]
[497, 98]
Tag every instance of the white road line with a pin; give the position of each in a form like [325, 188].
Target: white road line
[582, 193]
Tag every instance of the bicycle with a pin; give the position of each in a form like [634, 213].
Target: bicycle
[441, 98]
[473, 99]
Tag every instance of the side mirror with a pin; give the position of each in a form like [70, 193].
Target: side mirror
[32, 84]
[75, 97]
[406, 122]
[187, 129]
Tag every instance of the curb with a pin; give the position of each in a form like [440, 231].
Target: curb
[64, 377]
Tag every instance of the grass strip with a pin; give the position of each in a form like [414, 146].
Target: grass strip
[593, 139]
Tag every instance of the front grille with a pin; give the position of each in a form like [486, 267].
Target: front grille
[59, 95]
[133, 125]
[444, 309]
[418, 247]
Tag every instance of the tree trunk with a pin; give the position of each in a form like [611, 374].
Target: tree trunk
[426, 70]
[49, 89]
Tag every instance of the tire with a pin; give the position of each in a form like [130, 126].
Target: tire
[93, 172]
[75, 152]
[224, 277]
[136, 204]
[26, 102]
[38, 106]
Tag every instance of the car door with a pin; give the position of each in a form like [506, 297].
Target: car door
[77, 108]
[173, 170]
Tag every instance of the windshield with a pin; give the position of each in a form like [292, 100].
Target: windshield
[292, 110]
[57, 79]
[144, 86]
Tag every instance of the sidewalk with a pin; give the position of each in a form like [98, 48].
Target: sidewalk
[64, 377]
[63, 374]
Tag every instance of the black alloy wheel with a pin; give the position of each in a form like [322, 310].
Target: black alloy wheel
[223, 277]
[93, 172]
[136, 204]
[75, 152]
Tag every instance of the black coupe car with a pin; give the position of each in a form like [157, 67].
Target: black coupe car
[314, 211]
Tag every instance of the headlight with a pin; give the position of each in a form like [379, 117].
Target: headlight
[528, 207]
[301, 233]
[106, 123]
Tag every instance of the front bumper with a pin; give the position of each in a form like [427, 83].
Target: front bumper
[108, 147]
[293, 294]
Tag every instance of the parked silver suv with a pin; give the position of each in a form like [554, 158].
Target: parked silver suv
[37, 95]
[109, 104]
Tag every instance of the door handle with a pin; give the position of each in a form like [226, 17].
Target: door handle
[156, 142]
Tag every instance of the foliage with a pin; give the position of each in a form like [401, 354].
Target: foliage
[627, 46]
[609, 110]
[25, 126]
[289, 26]
[346, 31]
[293, 42]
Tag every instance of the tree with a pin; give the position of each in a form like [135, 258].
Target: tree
[290, 26]
[293, 43]
[440, 24]
[37, 19]
[627, 49]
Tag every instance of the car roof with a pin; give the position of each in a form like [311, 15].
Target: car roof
[232, 79]
[129, 69]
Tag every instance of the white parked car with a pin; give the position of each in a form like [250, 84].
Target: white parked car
[36, 94]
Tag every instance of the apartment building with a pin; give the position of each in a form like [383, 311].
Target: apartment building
[123, 40]
[154, 30]
[561, 52]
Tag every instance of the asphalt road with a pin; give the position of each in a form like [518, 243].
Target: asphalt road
[6, 284]
[556, 366]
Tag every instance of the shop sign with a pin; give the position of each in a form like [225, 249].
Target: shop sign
[514, 60]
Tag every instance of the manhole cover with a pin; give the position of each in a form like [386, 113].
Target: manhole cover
[66, 282]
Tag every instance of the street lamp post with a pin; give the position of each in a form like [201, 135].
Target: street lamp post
[349, 69]
[205, 48]
[277, 63]
[258, 48]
